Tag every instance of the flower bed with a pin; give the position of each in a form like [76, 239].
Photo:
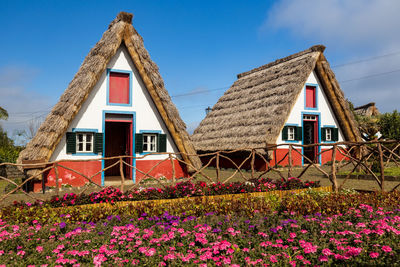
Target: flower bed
[179, 190]
[361, 236]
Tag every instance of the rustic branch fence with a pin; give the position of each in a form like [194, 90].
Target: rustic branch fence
[361, 156]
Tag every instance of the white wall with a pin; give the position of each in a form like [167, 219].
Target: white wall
[90, 116]
[326, 117]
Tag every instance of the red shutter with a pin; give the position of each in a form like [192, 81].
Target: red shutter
[119, 88]
[310, 97]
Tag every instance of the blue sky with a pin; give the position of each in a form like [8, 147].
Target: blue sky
[199, 46]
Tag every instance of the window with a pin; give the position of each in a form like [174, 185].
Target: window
[84, 142]
[328, 134]
[81, 141]
[149, 142]
[311, 97]
[119, 92]
[291, 135]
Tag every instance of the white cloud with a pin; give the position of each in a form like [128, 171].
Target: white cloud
[354, 29]
[22, 104]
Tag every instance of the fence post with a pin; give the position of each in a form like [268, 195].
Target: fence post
[253, 158]
[382, 165]
[290, 161]
[334, 181]
[173, 168]
[56, 172]
[121, 170]
[217, 166]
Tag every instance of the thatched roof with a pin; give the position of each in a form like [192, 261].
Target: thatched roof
[368, 110]
[253, 111]
[119, 32]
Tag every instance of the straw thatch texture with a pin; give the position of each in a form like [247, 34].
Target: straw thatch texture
[368, 110]
[253, 111]
[120, 32]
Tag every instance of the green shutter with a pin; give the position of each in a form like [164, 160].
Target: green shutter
[335, 134]
[323, 134]
[139, 143]
[98, 143]
[71, 143]
[285, 133]
[162, 143]
[298, 134]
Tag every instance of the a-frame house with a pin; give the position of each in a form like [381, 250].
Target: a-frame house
[115, 105]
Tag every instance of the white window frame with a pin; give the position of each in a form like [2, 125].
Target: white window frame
[291, 133]
[84, 142]
[328, 134]
[148, 143]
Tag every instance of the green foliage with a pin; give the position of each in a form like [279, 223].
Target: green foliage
[389, 125]
[8, 151]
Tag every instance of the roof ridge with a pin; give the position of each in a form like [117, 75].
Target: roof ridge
[315, 48]
[122, 16]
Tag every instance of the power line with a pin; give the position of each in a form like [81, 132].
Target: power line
[202, 91]
[370, 76]
[365, 60]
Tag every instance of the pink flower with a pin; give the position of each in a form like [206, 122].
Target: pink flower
[292, 235]
[39, 248]
[323, 258]
[374, 254]
[327, 252]
[386, 248]
[273, 259]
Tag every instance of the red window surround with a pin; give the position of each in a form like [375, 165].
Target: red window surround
[119, 88]
[310, 97]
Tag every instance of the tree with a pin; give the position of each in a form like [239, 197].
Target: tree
[8, 151]
[389, 125]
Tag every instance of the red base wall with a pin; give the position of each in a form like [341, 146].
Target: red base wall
[260, 165]
[297, 158]
[67, 177]
[162, 170]
[89, 168]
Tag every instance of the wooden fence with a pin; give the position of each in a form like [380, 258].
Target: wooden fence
[370, 158]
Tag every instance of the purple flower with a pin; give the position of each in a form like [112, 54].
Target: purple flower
[62, 225]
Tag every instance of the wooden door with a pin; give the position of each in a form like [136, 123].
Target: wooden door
[117, 138]
[310, 136]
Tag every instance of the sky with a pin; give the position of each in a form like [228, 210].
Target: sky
[199, 46]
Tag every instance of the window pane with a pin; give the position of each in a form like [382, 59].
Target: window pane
[88, 147]
[80, 137]
[145, 147]
[88, 137]
[80, 147]
[145, 138]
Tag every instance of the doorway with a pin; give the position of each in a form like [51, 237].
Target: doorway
[310, 136]
[118, 142]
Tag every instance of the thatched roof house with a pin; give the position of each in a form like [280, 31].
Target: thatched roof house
[253, 111]
[369, 110]
[119, 35]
